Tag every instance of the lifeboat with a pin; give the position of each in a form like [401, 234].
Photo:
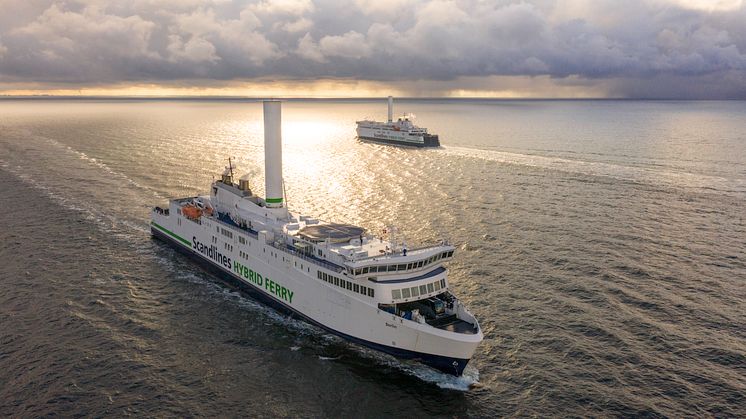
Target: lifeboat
[191, 211]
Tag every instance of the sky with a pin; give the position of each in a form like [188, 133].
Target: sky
[677, 49]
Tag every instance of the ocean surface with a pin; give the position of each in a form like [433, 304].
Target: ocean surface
[602, 245]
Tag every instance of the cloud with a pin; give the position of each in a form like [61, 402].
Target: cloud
[681, 42]
[309, 49]
[348, 45]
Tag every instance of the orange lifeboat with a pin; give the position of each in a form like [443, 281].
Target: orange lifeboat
[191, 212]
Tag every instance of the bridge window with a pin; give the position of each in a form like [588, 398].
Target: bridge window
[415, 291]
[437, 285]
[430, 287]
[396, 294]
[336, 281]
[423, 289]
[365, 271]
[442, 283]
[370, 292]
[402, 267]
[405, 293]
[356, 288]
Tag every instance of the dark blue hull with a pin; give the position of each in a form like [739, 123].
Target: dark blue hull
[430, 140]
[453, 366]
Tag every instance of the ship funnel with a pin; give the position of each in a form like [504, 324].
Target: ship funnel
[391, 108]
[273, 154]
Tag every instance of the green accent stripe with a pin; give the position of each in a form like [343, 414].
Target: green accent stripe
[172, 234]
[273, 200]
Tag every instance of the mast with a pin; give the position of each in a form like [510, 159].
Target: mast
[273, 154]
[391, 108]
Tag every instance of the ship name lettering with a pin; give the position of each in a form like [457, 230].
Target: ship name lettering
[261, 281]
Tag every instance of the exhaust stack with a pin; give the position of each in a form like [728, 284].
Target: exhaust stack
[391, 109]
[273, 154]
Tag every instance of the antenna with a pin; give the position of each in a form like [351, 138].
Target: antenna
[230, 166]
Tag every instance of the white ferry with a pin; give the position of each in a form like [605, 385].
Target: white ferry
[368, 290]
[402, 132]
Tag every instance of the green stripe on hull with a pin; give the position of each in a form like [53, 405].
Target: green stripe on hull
[172, 234]
[273, 200]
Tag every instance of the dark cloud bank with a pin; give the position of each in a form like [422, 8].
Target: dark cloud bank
[640, 48]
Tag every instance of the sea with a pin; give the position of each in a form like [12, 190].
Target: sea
[600, 243]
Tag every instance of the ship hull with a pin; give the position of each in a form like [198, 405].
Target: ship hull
[431, 142]
[394, 137]
[446, 364]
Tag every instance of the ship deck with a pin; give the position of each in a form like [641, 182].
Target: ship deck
[454, 324]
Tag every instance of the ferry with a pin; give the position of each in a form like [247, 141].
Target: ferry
[373, 291]
[400, 132]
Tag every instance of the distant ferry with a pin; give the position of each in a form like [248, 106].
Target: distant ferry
[401, 132]
[371, 291]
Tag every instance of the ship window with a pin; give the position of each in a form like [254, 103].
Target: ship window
[356, 288]
[419, 264]
[450, 253]
[344, 284]
[392, 268]
[396, 294]
[405, 293]
[370, 292]
[423, 289]
[358, 271]
[409, 266]
[321, 253]
[365, 271]
[322, 275]
[442, 283]
[437, 285]
[336, 281]
[319, 274]
[402, 267]
[430, 287]
[415, 291]
[349, 285]
[363, 289]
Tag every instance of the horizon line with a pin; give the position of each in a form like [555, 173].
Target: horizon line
[349, 98]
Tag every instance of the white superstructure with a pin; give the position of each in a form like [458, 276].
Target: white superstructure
[372, 291]
[399, 132]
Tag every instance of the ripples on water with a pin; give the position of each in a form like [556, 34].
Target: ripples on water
[601, 247]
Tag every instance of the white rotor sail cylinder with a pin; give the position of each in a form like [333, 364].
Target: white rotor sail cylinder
[273, 154]
[391, 108]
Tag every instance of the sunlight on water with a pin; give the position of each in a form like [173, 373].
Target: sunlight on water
[600, 244]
